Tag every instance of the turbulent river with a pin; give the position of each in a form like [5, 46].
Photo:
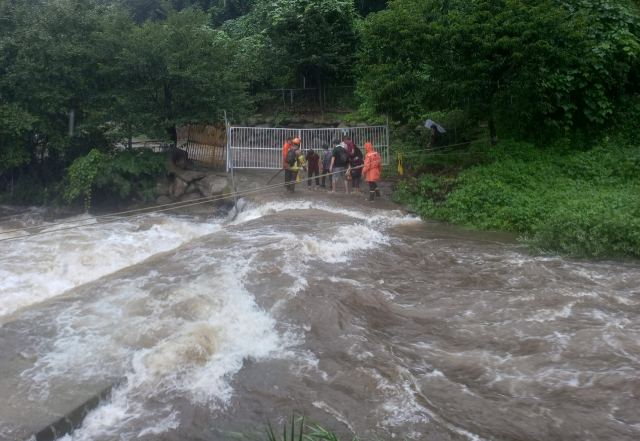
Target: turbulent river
[366, 320]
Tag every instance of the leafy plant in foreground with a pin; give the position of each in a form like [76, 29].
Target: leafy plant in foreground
[126, 173]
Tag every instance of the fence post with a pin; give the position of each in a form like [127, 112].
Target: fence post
[388, 142]
[227, 129]
[230, 164]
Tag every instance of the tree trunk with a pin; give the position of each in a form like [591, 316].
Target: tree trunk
[173, 134]
[320, 91]
[493, 131]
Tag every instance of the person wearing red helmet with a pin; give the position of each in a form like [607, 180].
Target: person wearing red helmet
[290, 160]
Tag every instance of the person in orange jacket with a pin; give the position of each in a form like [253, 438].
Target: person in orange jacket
[372, 169]
[285, 150]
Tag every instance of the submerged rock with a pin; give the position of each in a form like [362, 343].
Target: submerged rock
[163, 200]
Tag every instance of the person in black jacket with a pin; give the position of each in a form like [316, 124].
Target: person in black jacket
[356, 162]
[339, 164]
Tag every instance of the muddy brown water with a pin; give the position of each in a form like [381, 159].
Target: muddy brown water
[364, 319]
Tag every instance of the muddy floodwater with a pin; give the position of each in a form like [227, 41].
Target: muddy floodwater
[363, 318]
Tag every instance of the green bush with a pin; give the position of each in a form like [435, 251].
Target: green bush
[576, 203]
[127, 173]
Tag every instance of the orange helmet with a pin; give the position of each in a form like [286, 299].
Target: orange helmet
[296, 141]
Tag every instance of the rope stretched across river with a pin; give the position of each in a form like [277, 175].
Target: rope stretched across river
[151, 210]
[410, 152]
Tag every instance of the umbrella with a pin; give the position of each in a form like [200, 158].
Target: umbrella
[431, 123]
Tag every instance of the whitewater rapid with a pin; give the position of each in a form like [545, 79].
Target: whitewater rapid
[35, 269]
[367, 320]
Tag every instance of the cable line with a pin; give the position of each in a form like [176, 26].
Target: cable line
[152, 210]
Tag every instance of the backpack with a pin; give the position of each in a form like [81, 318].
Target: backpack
[290, 159]
[344, 157]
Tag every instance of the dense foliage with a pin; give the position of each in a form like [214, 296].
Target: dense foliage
[579, 203]
[77, 76]
[128, 173]
[516, 64]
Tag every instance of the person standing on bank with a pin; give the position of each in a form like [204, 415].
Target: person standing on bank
[355, 169]
[372, 169]
[326, 164]
[339, 163]
[298, 163]
[435, 138]
[349, 145]
[313, 163]
[289, 160]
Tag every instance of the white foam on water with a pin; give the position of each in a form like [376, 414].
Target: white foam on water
[337, 249]
[183, 339]
[41, 267]
[544, 315]
[250, 211]
[338, 416]
[38, 268]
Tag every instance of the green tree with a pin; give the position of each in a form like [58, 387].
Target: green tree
[47, 72]
[174, 72]
[524, 62]
[316, 38]
[167, 73]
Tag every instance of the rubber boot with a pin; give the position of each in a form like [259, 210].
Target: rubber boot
[372, 194]
[378, 192]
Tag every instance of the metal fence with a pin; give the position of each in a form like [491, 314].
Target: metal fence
[206, 144]
[258, 147]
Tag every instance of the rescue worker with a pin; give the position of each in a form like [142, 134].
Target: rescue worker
[285, 149]
[288, 174]
[295, 169]
[372, 169]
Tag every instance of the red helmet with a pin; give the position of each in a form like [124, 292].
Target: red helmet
[296, 141]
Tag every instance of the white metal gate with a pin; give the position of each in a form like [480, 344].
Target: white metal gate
[260, 147]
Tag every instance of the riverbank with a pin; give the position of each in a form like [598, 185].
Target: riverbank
[560, 201]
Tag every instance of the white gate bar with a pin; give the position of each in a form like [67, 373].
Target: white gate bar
[261, 147]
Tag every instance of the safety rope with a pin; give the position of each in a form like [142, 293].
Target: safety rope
[152, 210]
[410, 152]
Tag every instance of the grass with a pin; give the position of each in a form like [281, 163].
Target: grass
[561, 201]
[306, 431]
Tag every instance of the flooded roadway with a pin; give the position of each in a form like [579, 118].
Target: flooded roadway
[368, 321]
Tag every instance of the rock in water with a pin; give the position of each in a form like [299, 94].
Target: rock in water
[227, 193]
[163, 200]
[190, 197]
[212, 185]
